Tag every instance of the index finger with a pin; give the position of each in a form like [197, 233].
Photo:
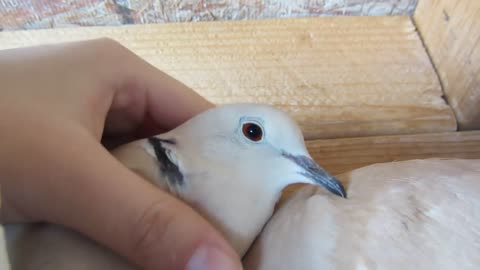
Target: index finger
[145, 99]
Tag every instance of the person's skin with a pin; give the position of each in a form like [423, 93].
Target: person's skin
[57, 104]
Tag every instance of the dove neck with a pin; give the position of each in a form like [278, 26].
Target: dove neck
[239, 206]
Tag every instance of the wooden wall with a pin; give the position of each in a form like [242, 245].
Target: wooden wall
[338, 76]
[451, 32]
[364, 89]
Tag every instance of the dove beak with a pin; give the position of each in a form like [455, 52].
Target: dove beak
[312, 171]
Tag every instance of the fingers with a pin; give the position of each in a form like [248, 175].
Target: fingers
[101, 78]
[146, 101]
[80, 185]
[142, 92]
[146, 225]
[169, 101]
[52, 159]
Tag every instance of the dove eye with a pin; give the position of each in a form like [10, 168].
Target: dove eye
[252, 131]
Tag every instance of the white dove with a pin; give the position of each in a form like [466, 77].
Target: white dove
[4, 262]
[420, 214]
[229, 163]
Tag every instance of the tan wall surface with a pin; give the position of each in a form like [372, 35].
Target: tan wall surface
[451, 32]
[338, 76]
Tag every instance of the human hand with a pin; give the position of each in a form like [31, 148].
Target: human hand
[57, 104]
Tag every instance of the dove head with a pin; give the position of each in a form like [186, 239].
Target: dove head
[234, 161]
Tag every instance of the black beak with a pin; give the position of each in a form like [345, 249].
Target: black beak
[318, 175]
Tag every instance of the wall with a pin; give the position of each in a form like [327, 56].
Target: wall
[34, 14]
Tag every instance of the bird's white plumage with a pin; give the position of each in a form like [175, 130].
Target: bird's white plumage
[231, 180]
[51, 247]
[398, 216]
[227, 175]
[4, 261]
[403, 215]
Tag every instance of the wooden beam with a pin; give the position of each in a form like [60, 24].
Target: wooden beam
[451, 32]
[343, 155]
[338, 76]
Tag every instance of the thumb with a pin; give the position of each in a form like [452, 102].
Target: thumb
[112, 205]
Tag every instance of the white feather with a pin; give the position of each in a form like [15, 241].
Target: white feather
[403, 215]
[230, 180]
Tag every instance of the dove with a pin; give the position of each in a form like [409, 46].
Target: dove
[4, 262]
[418, 214]
[230, 163]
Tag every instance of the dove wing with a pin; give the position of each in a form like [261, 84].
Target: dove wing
[420, 214]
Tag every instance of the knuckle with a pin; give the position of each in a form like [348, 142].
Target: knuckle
[106, 43]
[105, 50]
[110, 48]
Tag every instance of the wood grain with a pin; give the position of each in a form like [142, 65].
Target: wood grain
[342, 155]
[451, 32]
[338, 76]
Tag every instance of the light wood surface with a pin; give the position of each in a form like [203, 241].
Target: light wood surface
[451, 32]
[338, 76]
[342, 155]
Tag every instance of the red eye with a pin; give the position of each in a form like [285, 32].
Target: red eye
[252, 131]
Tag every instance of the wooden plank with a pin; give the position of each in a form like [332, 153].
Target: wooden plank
[338, 76]
[451, 32]
[343, 155]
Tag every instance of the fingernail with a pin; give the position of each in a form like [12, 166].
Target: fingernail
[211, 258]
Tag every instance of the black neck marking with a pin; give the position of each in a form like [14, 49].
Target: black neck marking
[167, 168]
